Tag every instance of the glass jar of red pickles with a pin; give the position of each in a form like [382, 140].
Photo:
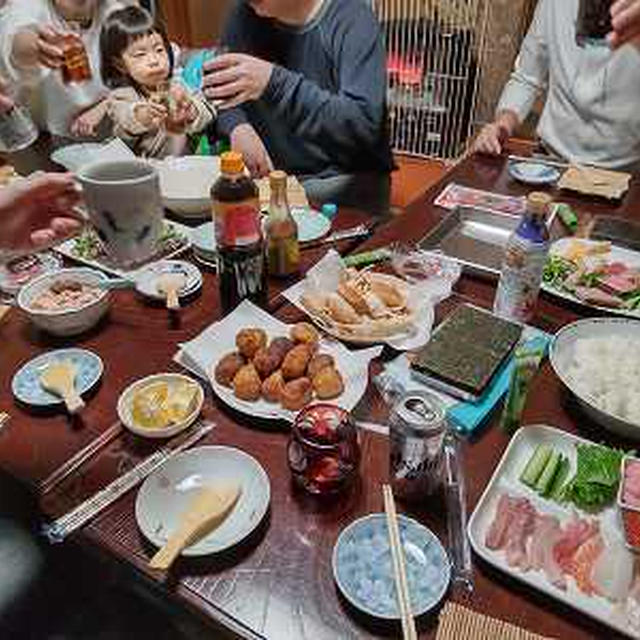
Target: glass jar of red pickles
[324, 452]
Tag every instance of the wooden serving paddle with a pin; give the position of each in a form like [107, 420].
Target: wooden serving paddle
[169, 284]
[206, 511]
[59, 378]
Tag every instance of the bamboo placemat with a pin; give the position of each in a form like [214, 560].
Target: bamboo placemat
[459, 623]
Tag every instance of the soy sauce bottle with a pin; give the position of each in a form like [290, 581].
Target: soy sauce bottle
[283, 250]
[241, 265]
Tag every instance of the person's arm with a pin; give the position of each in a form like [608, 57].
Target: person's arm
[528, 80]
[131, 116]
[85, 124]
[350, 120]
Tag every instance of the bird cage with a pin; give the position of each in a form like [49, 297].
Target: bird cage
[434, 51]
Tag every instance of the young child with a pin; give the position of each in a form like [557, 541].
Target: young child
[150, 112]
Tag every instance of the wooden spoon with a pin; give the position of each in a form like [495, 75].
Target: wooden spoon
[59, 378]
[206, 511]
[169, 284]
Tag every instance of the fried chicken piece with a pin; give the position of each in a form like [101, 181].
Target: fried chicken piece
[249, 341]
[328, 383]
[305, 333]
[318, 362]
[296, 394]
[226, 369]
[247, 384]
[273, 387]
[296, 361]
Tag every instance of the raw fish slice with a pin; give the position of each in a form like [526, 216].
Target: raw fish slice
[496, 534]
[583, 562]
[520, 528]
[576, 533]
[612, 574]
[546, 533]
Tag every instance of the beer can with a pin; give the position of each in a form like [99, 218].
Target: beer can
[416, 431]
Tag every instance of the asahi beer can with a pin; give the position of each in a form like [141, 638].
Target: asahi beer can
[417, 428]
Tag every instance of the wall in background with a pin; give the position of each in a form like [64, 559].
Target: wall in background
[195, 23]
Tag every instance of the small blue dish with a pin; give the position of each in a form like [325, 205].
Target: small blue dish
[363, 571]
[312, 225]
[26, 385]
[535, 173]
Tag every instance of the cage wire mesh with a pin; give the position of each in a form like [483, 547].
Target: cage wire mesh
[434, 53]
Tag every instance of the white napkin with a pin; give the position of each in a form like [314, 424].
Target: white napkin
[324, 276]
[201, 354]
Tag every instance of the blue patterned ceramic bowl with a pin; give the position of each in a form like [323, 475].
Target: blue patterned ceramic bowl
[26, 385]
[362, 566]
[533, 172]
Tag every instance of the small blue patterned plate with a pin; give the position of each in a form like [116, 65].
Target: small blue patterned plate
[533, 172]
[26, 385]
[363, 570]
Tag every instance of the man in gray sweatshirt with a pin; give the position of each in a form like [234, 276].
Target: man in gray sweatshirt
[305, 91]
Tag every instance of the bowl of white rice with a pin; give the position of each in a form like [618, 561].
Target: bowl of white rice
[598, 360]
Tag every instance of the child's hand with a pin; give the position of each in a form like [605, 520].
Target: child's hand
[183, 112]
[84, 125]
[150, 114]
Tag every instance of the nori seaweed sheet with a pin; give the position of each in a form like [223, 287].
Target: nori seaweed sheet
[467, 349]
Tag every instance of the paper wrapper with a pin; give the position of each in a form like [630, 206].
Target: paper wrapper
[459, 623]
[595, 182]
[296, 194]
[325, 276]
[201, 354]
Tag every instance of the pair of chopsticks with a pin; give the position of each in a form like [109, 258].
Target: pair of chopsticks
[399, 569]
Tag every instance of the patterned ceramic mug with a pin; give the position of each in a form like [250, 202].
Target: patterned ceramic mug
[125, 207]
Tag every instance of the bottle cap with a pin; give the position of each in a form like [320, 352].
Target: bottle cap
[277, 179]
[538, 203]
[231, 162]
[329, 210]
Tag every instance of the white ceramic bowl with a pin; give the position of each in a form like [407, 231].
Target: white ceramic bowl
[561, 355]
[185, 184]
[65, 322]
[126, 400]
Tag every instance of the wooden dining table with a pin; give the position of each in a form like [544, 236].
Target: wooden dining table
[278, 583]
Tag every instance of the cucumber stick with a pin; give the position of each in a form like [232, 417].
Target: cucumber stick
[536, 465]
[543, 485]
[557, 488]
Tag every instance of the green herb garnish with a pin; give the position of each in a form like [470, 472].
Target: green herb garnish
[597, 477]
[557, 270]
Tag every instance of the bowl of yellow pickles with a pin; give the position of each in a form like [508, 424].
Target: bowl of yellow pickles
[160, 406]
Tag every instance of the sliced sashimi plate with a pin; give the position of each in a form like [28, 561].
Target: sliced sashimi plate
[87, 249]
[551, 544]
[594, 274]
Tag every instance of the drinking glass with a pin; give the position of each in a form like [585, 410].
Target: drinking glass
[323, 452]
[17, 129]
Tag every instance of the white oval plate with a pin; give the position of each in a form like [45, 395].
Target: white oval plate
[147, 277]
[560, 356]
[534, 173]
[126, 399]
[165, 495]
[203, 239]
[26, 384]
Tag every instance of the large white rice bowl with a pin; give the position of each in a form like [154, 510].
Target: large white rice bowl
[598, 360]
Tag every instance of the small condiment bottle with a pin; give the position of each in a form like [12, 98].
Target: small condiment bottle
[283, 249]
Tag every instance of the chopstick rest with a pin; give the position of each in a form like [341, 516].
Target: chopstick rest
[206, 511]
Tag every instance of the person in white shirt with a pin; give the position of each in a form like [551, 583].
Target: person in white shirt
[31, 58]
[592, 109]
